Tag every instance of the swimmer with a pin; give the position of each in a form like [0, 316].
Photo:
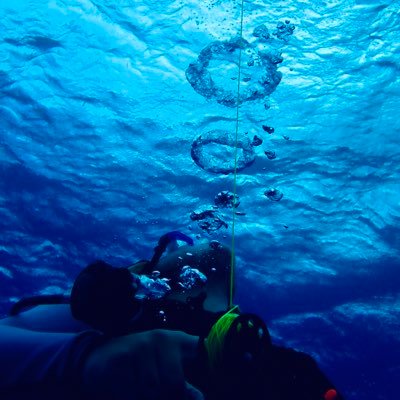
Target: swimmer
[201, 349]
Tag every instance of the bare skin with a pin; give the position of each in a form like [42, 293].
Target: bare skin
[145, 366]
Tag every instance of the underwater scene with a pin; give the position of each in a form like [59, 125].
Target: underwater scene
[271, 127]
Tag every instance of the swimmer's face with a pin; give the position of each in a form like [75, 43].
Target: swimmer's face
[126, 285]
[135, 283]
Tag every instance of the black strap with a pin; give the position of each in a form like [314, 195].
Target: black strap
[163, 242]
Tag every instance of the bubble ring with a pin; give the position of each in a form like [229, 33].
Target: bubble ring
[265, 83]
[202, 155]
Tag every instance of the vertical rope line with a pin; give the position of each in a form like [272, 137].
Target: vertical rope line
[232, 274]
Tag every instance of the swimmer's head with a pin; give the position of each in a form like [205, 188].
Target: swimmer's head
[103, 297]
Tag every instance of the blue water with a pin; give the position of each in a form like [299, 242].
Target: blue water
[98, 117]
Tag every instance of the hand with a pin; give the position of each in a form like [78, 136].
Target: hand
[142, 366]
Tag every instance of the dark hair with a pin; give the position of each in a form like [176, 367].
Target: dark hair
[103, 297]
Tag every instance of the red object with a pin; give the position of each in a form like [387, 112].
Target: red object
[330, 394]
